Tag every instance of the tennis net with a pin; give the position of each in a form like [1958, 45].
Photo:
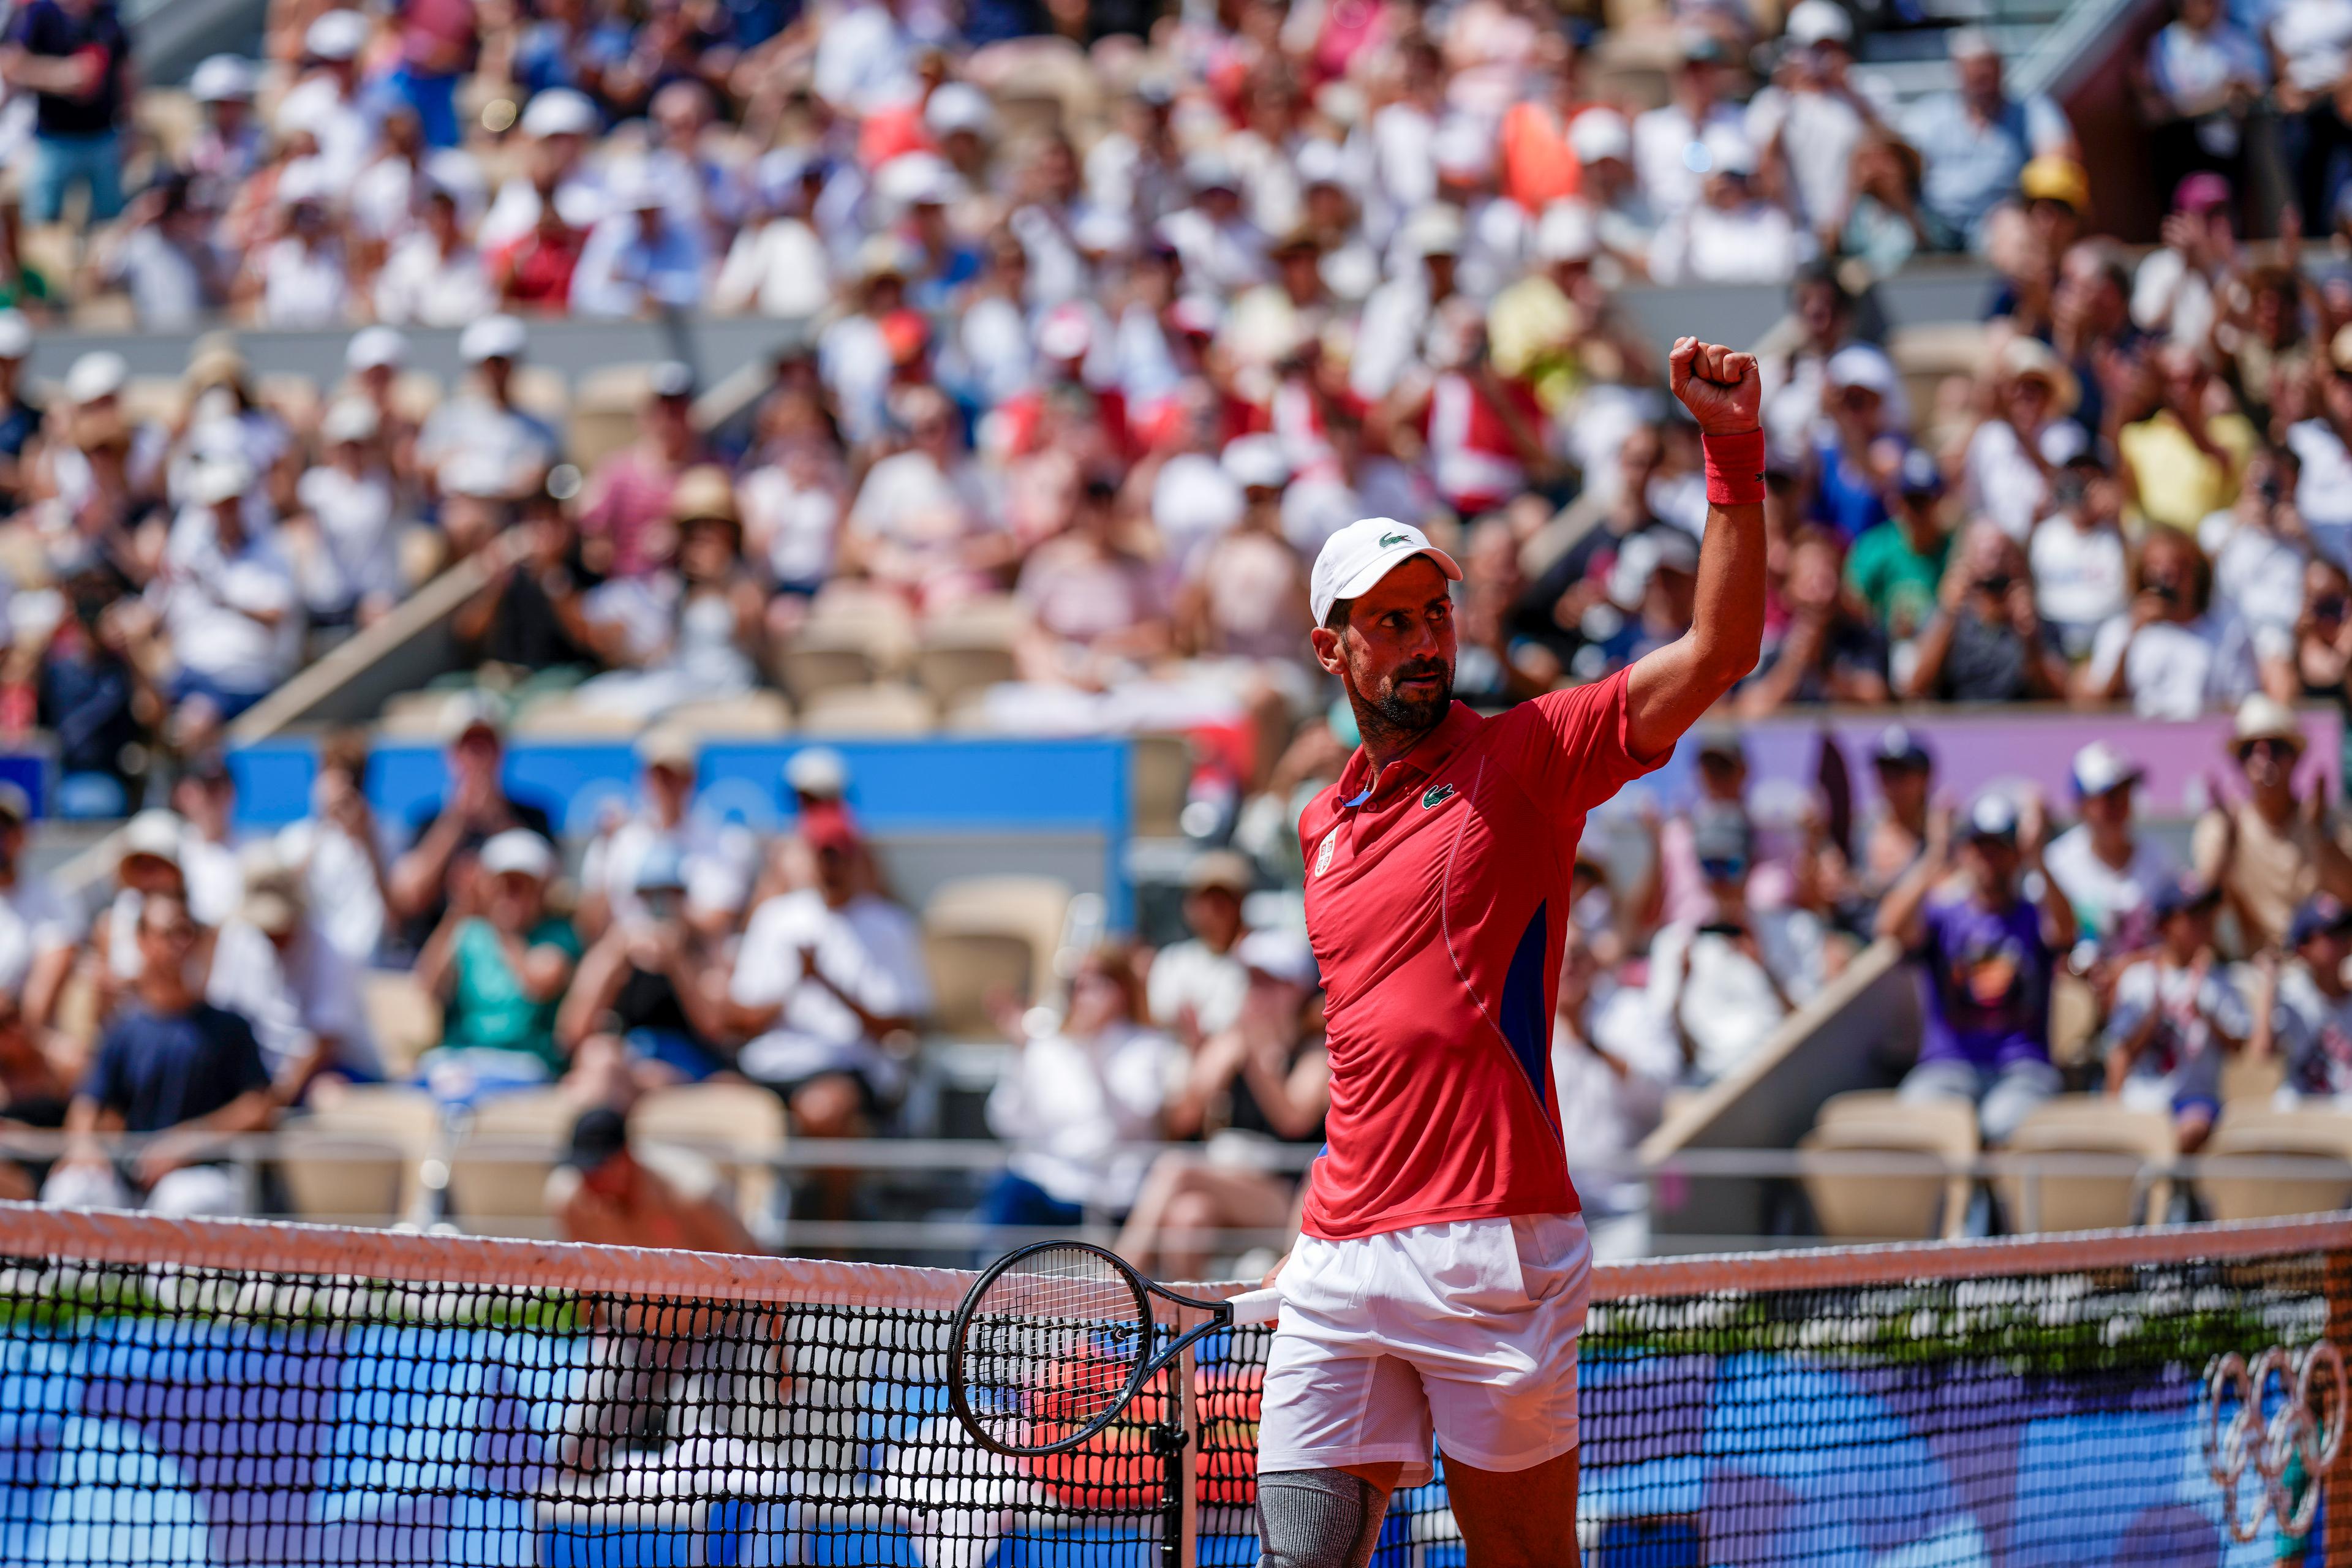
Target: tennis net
[188, 1392]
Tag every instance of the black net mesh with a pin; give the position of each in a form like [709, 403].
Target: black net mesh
[159, 1413]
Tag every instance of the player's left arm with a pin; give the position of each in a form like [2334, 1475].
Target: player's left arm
[1668, 690]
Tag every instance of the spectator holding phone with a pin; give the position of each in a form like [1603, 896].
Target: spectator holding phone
[1986, 642]
[2304, 1012]
[2175, 1014]
[1727, 979]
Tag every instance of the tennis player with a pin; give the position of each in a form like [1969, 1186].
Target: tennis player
[1440, 1283]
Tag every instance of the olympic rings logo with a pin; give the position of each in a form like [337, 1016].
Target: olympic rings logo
[2292, 1432]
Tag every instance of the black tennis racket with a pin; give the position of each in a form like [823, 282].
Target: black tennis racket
[1057, 1339]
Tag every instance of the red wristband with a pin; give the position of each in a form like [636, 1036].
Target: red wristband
[1735, 468]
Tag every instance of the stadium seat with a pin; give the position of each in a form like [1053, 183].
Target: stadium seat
[754, 715]
[873, 619]
[885, 708]
[737, 1126]
[383, 1113]
[294, 397]
[2314, 1133]
[2250, 1083]
[1932, 1138]
[953, 665]
[542, 391]
[344, 1177]
[1160, 778]
[989, 936]
[825, 658]
[606, 408]
[499, 1170]
[2118, 1173]
[565, 715]
[404, 1017]
[416, 393]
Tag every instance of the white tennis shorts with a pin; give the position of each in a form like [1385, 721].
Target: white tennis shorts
[1465, 1331]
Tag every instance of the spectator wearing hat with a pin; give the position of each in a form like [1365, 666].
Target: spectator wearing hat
[481, 440]
[829, 985]
[1989, 956]
[301, 274]
[923, 522]
[1986, 642]
[230, 142]
[641, 259]
[556, 126]
[2110, 871]
[1893, 833]
[2303, 1011]
[2175, 1014]
[1261, 1081]
[1245, 598]
[272, 967]
[2176, 292]
[173, 1065]
[1726, 979]
[74, 57]
[1397, 314]
[2080, 562]
[1196, 986]
[607, 1194]
[1623, 218]
[342, 541]
[1859, 448]
[500, 960]
[2025, 432]
[1896, 567]
[204, 798]
[630, 493]
[2183, 461]
[663, 826]
[326, 104]
[534, 271]
[1975, 141]
[2323, 491]
[447, 835]
[2262, 557]
[1671, 156]
[649, 1006]
[1811, 118]
[225, 603]
[777, 264]
[39, 932]
[2203, 78]
[147, 865]
[2166, 655]
[2268, 853]
[693, 631]
[1731, 234]
[530, 616]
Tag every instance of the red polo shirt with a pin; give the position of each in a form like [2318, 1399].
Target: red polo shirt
[1437, 899]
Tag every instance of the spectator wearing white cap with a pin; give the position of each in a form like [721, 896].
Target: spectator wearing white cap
[227, 605]
[2026, 432]
[302, 277]
[640, 260]
[2080, 566]
[2278, 846]
[661, 822]
[1623, 218]
[273, 966]
[2109, 870]
[1976, 141]
[777, 264]
[340, 540]
[147, 865]
[1731, 234]
[229, 144]
[434, 275]
[1244, 599]
[1263, 1081]
[1811, 117]
[500, 960]
[1222, 248]
[1858, 444]
[1426, 254]
[482, 436]
[1670, 155]
[327, 103]
[557, 125]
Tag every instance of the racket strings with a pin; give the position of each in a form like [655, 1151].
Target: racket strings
[1052, 1347]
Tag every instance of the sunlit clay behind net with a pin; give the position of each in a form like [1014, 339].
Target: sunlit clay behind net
[1052, 1346]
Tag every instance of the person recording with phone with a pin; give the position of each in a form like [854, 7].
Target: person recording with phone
[2166, 655]
[1987, 642]
[1726, 980]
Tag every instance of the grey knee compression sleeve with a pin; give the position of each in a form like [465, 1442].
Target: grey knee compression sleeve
[1316, 1519]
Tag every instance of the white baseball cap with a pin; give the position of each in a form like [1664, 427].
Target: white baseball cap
[2099, 767]
[559, 111]
[1567, 232]
[1256, 462]
[336, 36]
[222, 79]
[1598, 133]
[154, 833]
[372, 347]
[1353, 560]
[219, 480]
[493, 337]
[958, 106]
[520, 850]
[1818, 22]
[817, 772]
[1279, 953]
[100, 374]
[348, 419]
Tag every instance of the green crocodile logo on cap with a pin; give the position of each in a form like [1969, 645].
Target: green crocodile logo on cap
[1389, 539]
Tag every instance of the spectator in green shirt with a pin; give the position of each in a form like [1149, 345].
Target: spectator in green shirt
[1897, 565]
[499, 961]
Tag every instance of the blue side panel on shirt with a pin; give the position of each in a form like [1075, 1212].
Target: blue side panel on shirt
[1523, 1015]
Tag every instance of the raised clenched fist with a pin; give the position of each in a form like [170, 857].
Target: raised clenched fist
[1720, 386]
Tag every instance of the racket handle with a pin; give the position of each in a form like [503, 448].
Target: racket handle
[1254, 1306]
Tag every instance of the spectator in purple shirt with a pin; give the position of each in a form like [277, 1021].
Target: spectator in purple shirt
[1988, 953]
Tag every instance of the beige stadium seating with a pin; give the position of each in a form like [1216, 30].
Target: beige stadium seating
[402, 1017]
[986, 937]
[826, 657]
[1161, 776]
[367, 1122]
[2247, 1082]
[1929, 1196]
[544, 392]
[499, 1167]
[956, 664]
[754, 715]
[885, 708]
[344, 1177]
[607, 410]
[737, 1126]
[2105, 1165]
[2258, 1131]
